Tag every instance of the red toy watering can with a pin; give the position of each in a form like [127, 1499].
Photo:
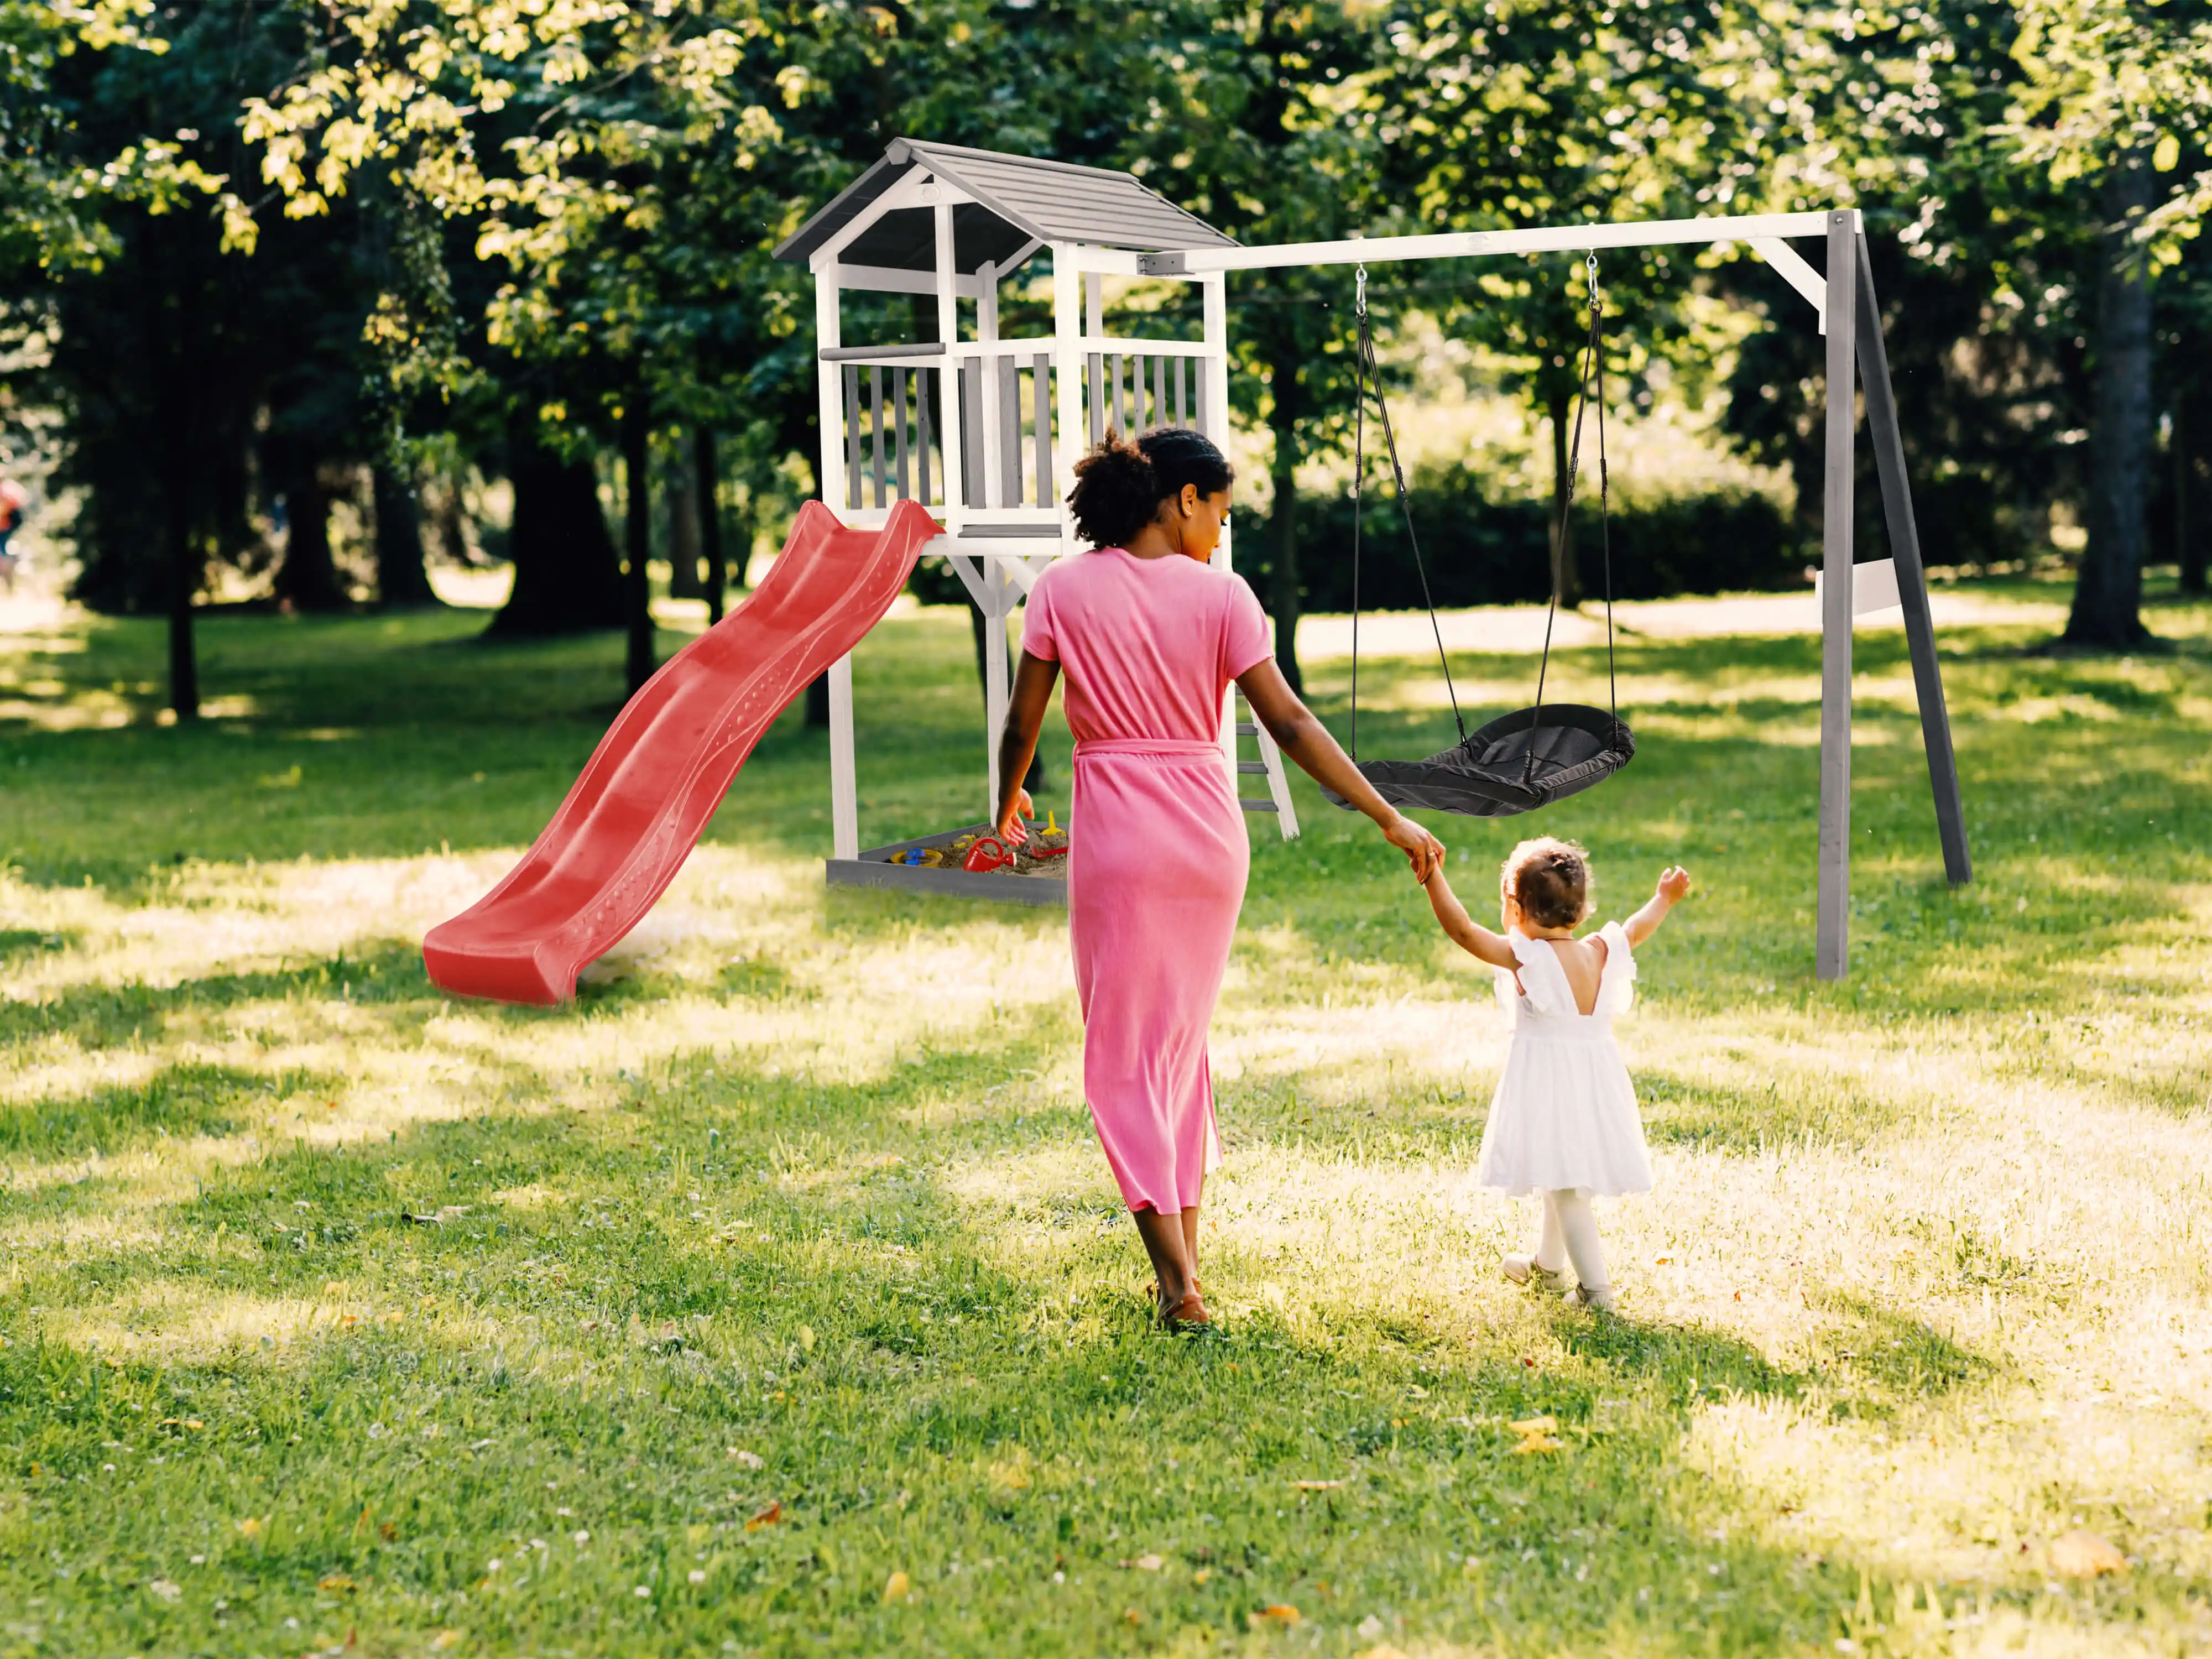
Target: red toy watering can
[988, 853]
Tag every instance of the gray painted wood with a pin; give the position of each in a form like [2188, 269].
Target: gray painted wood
[923, 433]
[899, 380]
[1832, 946]
[852, 436]
[875, 430]
[1888, 443]
[1041, 391]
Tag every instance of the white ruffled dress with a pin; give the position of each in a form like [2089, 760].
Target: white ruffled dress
[1564, 1114]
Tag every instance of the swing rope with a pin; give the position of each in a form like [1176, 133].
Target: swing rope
[1522, 760]
[1364, 367]
[1593, 371]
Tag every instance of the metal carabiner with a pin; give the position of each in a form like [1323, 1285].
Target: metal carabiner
[1591, 261]
[1359, 291]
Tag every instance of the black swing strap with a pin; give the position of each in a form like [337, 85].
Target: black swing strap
[1364, 369]
[1593, 373]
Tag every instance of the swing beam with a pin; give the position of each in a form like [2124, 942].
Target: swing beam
[1852, 321]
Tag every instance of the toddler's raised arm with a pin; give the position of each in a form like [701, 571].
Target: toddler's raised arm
[1466, 931]
[1674, 882]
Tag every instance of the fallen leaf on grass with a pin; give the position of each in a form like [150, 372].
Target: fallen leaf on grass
[1279, 1613]
[447, 1638]
[2081, 1554]
[1316, 1485]
[1535, 1425]
[249, 1527]
[1144, 1563]
[1132, 1616]
[767, 1517]
[335, 1582]
[897, 1587]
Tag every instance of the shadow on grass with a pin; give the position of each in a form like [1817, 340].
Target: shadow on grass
[99, 1015]
[186, 1099]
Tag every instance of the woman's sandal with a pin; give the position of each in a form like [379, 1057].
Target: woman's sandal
[1188, 1314]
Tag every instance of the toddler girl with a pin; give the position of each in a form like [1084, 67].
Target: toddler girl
[1564, 1121]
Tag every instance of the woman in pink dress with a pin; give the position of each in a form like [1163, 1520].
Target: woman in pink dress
[1149, 638]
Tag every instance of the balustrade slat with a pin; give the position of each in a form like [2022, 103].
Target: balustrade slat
[1094, 388]
[899, 379]
[1010, 432]
[1041, 402]
[876, 426]
[852, 436]
[921, 428]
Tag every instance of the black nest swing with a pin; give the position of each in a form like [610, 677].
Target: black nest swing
[1532, 757]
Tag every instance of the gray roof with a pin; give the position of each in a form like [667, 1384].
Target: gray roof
[1018, 199]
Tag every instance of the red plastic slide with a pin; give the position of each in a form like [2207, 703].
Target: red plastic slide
[665, 763]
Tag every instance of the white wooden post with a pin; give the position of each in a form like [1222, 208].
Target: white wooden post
[844, 784]
[1214, 294]
[1001, 589]
[829, 336]
[1074, 437]
[948, 381]
[993, 479]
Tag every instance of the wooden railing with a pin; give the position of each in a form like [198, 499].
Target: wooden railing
[893, 405]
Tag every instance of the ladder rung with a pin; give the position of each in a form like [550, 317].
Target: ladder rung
[1247, 729]
[1251, 806]
[1252, 766]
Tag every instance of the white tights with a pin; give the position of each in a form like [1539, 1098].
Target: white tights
[1570, 1235]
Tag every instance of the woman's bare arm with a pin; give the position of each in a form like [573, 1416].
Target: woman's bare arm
[1307, 741]
[1470, 935]
[1033, 682]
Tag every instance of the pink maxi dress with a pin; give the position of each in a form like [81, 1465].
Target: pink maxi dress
[1158, 856]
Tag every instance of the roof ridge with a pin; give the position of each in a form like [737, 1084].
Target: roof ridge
[1006, 158]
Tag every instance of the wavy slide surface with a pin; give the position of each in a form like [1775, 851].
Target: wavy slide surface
[663, 767]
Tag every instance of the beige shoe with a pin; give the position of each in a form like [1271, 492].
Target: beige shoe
[1520, 1269]
[1583, 1296]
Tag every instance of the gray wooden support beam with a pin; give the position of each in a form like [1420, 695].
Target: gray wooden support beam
[1832, 907]
[1912, 576]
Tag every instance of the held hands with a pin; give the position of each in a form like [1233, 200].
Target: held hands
[1422, 850]
[1673, 884]
[1010, 825]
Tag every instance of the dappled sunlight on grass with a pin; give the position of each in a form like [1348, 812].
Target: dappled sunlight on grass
[797, 1213]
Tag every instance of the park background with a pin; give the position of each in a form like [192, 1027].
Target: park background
[774, 1296]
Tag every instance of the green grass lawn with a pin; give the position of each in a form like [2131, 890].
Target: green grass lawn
[775, 1297]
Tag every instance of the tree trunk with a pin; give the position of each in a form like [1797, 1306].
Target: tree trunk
[402, 580]
[184, 572]
[1566, 579]
[706, 475]
[2108, 595]
[308, 578]
[566, 577]
[679, 489]
[1283, 516]
[637, 502]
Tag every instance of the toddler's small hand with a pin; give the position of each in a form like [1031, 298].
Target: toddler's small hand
[1674, 882]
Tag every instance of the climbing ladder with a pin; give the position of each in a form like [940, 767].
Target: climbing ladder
[1269, 766]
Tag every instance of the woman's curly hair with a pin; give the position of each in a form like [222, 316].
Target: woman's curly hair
[1120, 484]
[1552, 880]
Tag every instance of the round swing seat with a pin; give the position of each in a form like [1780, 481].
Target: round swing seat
[1490, 773]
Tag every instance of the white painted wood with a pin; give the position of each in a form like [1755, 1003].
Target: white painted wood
[877, 279]
[1215, 300]
[1279, 785]
[948, 381]
[830, 395]
[1790, 266]
[1001, 596]
[1068, 287]
[844, 792]
[1874, 589]
[1460, 244]
[1094, 305]
[985, 367]
[917, 188]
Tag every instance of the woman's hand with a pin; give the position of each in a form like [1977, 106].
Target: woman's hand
[1010, 822]
[1422, 850]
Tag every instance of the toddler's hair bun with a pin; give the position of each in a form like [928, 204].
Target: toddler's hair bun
[1551, 880]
